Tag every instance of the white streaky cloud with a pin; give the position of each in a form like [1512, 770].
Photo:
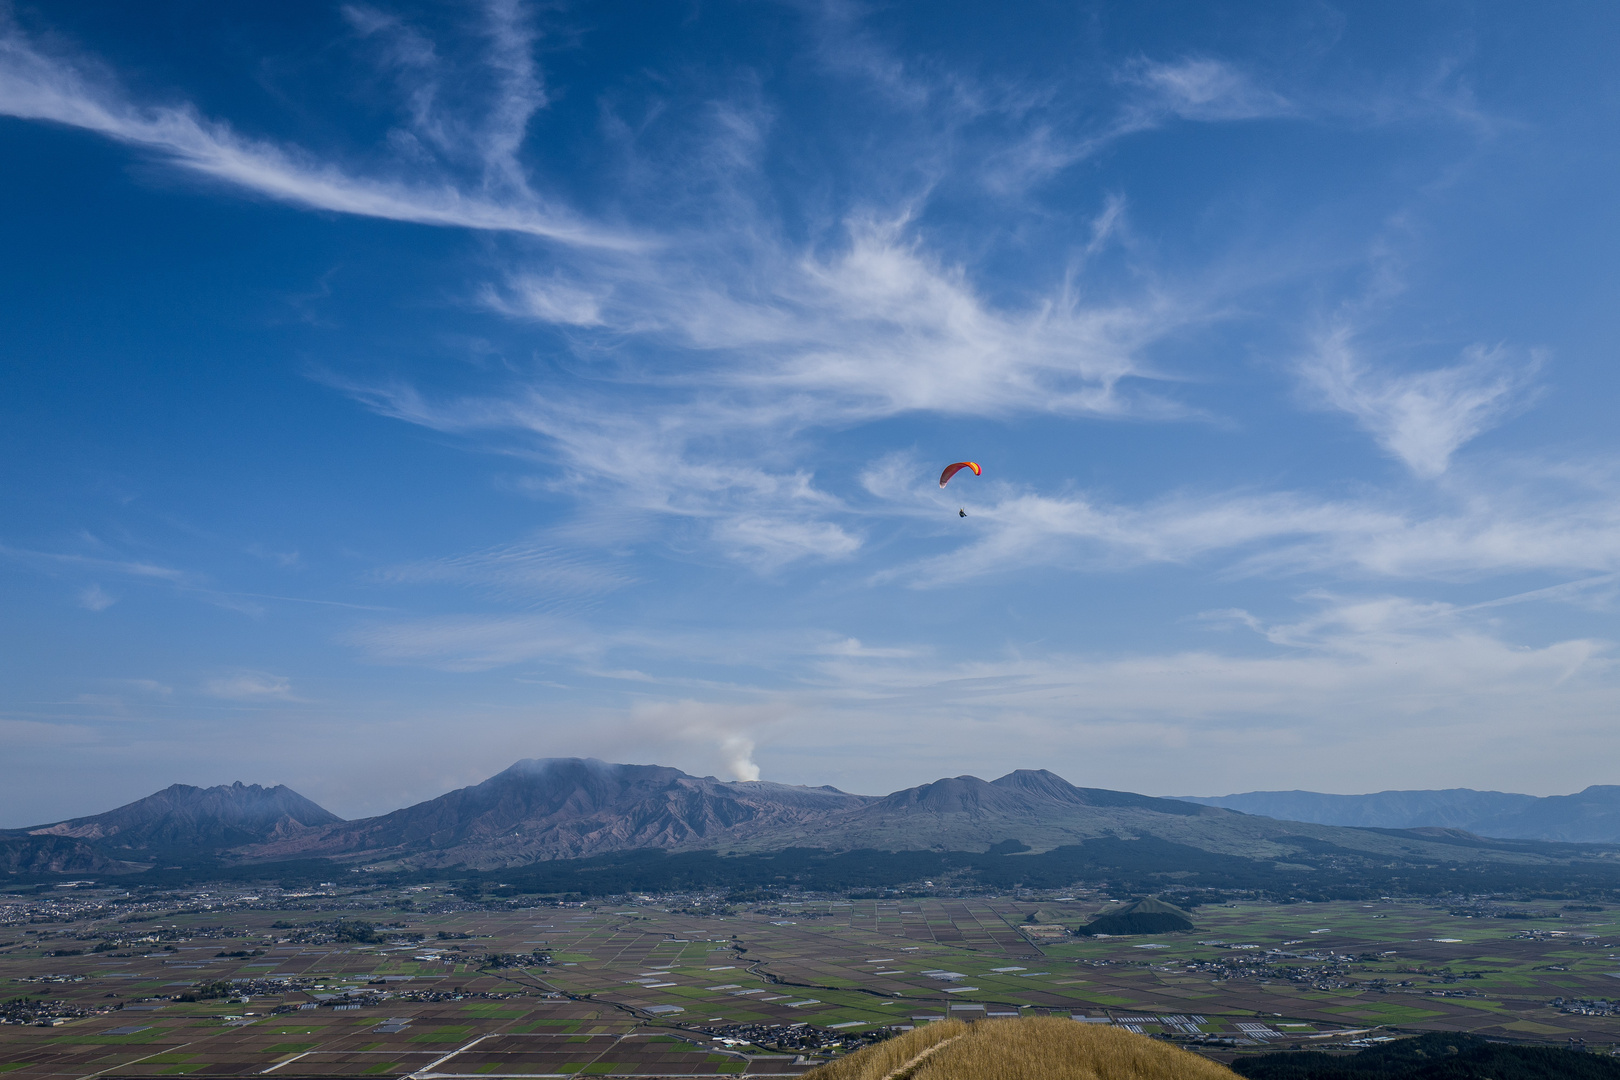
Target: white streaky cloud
[523, 572]
[476, 643]
[547, 300]
[52, 736]
[1197, 89]
[807, 344]
[285, 559]
[878, 327]
[855, 647]
[848, 47]
[94, 598]
[890, 330]
[1202, 88]
[1019, 530]
[1542, 520]
[508, 79]
[706, 465]
[520, 92]
[124, 568]
[1334, 689]
[34, 86]
[147, 686]
[1596, 593]
[769, 543]
[1422, 418]
[782, 340]
[414, 59]
[250, 686]
[1383, 659]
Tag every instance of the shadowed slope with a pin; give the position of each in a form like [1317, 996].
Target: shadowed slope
[1039, 1048]
[24, 854]
[1149, 916]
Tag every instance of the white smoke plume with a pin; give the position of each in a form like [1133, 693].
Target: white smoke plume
[738, 750]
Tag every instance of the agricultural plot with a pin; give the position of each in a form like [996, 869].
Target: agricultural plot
[368, 986]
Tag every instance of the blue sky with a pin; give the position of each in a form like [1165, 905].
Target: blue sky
[390, 392]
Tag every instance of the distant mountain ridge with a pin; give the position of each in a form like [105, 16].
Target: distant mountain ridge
[1589, 816]
[186, 817]
[181, 821]
[555, 808]
[562, 808]
[543, 810]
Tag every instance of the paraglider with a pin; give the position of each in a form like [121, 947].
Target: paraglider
[952, 470]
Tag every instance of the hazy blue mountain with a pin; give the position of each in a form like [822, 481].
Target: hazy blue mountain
[1590, 816]
[196, 820]
[1451, 808]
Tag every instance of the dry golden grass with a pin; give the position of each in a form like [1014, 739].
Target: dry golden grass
[1038, 1048]
[876, 1062]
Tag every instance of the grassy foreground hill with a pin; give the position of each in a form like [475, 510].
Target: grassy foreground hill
[1037, 1048]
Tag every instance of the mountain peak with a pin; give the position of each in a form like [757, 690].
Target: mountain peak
[549, 808]
[185, 816]
[1042, 782]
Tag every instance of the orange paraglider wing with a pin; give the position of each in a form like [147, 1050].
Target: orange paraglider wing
[952, 470]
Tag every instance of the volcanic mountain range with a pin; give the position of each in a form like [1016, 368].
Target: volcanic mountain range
[562, 808]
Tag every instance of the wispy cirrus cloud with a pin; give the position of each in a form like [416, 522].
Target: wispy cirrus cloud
[527, 573]
[1537, 519]
[1388, 647]
[251, 686]
[77, 93]
[70, 560]
[1421, 417]
[475, 643]
[1330, 691]
[783, 340]
[876, 327]
[94, 598]
[1201, 88]
[802, 344]
[507, 90]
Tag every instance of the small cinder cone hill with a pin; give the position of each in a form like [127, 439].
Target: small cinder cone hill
[1038, 1048]
[1148, 916]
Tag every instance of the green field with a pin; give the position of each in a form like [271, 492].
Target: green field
[650, 988]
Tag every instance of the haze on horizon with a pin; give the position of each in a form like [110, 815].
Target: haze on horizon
[395, 391]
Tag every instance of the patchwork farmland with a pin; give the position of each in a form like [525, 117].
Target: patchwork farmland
[416, 983]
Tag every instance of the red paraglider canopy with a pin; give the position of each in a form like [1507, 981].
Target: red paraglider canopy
[952, 470]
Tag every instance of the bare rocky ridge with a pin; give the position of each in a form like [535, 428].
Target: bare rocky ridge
[558, 808]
